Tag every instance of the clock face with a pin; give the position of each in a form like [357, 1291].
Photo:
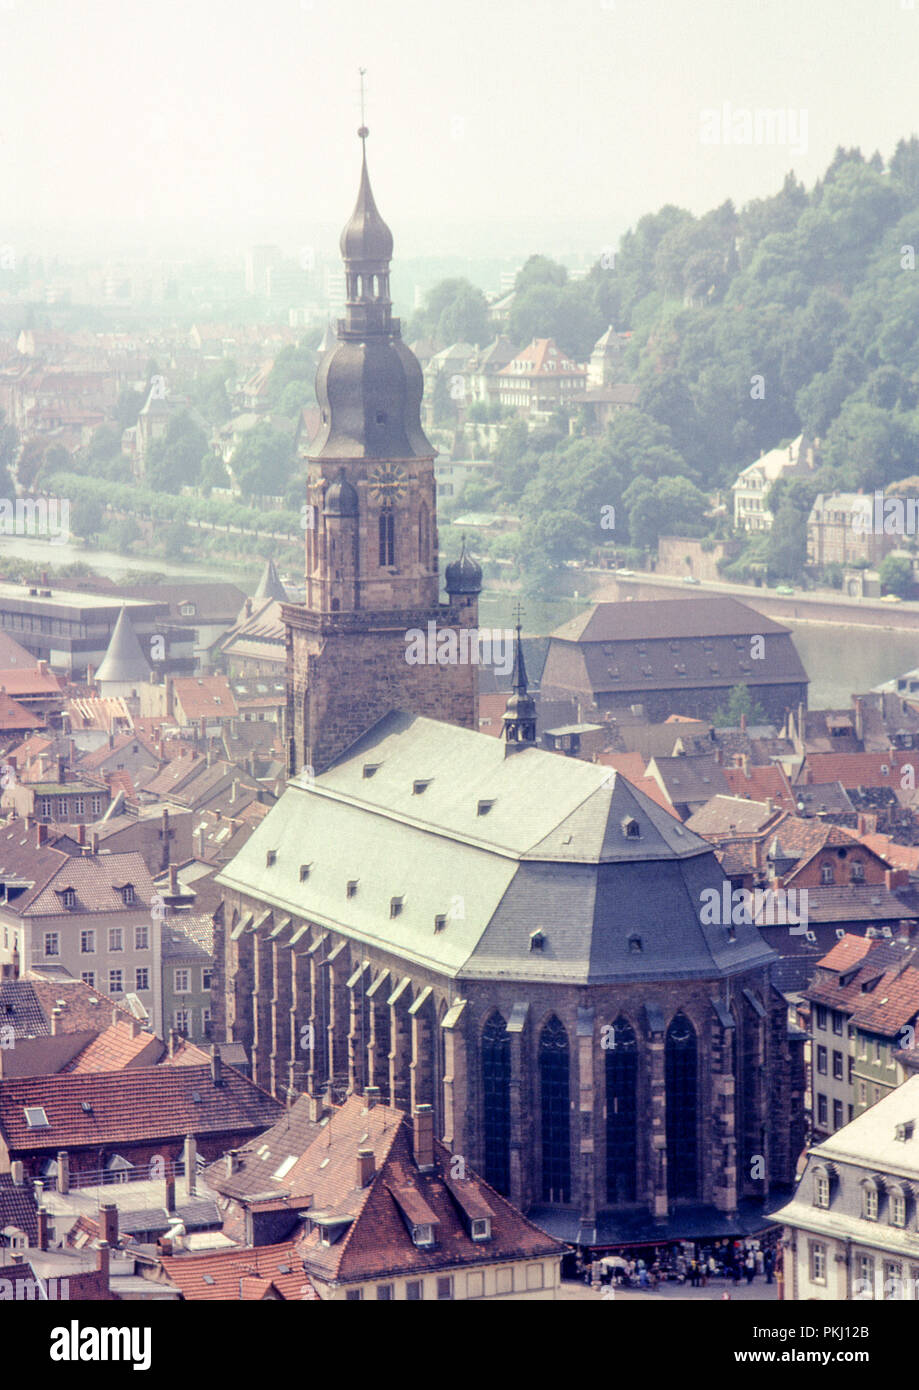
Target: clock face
[387, 484]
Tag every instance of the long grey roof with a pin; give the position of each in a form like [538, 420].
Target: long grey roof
[124, 660]
[498, 846]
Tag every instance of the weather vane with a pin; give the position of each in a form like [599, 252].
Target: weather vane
[518, 613]
[363, 132]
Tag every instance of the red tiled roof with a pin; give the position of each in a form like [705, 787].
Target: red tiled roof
[897, 856]
[14, 716]
[855, 769]
[205, 695]
[267, 1271]
[631, 765]
[116, 1048]
[377, 1241]
[142, 1104]
[30, 681]
[759, 783]
[846, 953]
[533, 360]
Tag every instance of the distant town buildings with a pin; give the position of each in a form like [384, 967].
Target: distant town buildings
[753, 483]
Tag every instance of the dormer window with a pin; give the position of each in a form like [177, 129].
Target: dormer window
[127, 895]
[420, 786]
[69, 898]
[537, 940]
[822, 1191]
[631, 829]
[636, 945]
[395, 906]
[826, 873]
[869, 1200]
[271, 858]
[305, 872]
[484, 807]
[371, 769]
[481, 1228]
[351, 890]
[423, 1235]
[440, 922]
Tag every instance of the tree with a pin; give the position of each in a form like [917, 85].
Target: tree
[896, 575]
[86, 518]
[176, 539]
[128, 407]
[739, 702]
[669, 506]
[124, 535]
[454, 311]
[787, 548]
[174, 460]
[263, 462]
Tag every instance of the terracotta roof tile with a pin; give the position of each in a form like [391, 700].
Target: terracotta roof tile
[245, 1274]
[142, 1103]
[119, 1046]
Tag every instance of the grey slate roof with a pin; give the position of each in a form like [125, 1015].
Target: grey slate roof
[552, 851]
[270, 585]
[124, 660]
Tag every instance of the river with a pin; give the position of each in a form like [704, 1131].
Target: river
[839, 661]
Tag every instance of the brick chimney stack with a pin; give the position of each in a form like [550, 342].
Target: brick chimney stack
[366, 1167]
[191, 1165]
[56, 1020]
[170, 1202]
[216, 1066]
[94, 842]
[63, 1172]
[104, 1259]
[42, 834]
[81, 834]
[173, 879]
[371, 1096]
[424, 1137]
[44, 1228]
[109, 1214]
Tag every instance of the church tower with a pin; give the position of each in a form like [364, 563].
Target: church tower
[372, 577]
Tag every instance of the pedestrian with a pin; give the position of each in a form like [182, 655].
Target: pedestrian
[694, 1273]
[750, 1266]
[769, 1265]
[759, 1260]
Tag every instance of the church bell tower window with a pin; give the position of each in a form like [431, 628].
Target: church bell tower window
[387, 529]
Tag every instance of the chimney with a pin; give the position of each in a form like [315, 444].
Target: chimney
[743, 723]
[859, 719]
[90, 673]
[216, 1066]
[42, 836]
[199, 843]
[758, 856]
[172, 1041]
[81, 833]
[63, 1171]
[17, 1257]
[16, 1172]
[371, 1096]
[111, 740]
[170, 1202]
[43, 668]
[104, 1259]
[44, 1228]
[424, 1137]
[191, 1165]
[209, 758]
[746, 766]
[165, 824]
[94, 842]
[232, 1161]
[109, 1214]
[316, 1109]
[173, 879]
[56, 1020]
[366, 1167]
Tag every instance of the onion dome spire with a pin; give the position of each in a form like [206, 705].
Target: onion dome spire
[520, 711]
[463, 576]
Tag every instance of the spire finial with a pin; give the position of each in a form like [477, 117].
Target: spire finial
[363, 132]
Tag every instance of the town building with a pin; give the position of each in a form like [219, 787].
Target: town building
[539, 380]
[667, 654]
[837, 535]
[851, 1231]
[865, 998]
[753, 482]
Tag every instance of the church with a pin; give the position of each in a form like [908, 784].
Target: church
[511, 937]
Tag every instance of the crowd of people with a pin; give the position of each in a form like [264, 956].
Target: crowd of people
[730, 1261]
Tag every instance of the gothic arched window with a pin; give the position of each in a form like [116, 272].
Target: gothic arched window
[621, 1113]
[554, 1071]
[387, 530]
[682, 1082]
[496, 1094]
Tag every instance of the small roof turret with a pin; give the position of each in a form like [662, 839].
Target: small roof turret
[124, 661]
[463, 576]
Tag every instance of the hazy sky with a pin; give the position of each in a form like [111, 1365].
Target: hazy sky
[555, 124]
